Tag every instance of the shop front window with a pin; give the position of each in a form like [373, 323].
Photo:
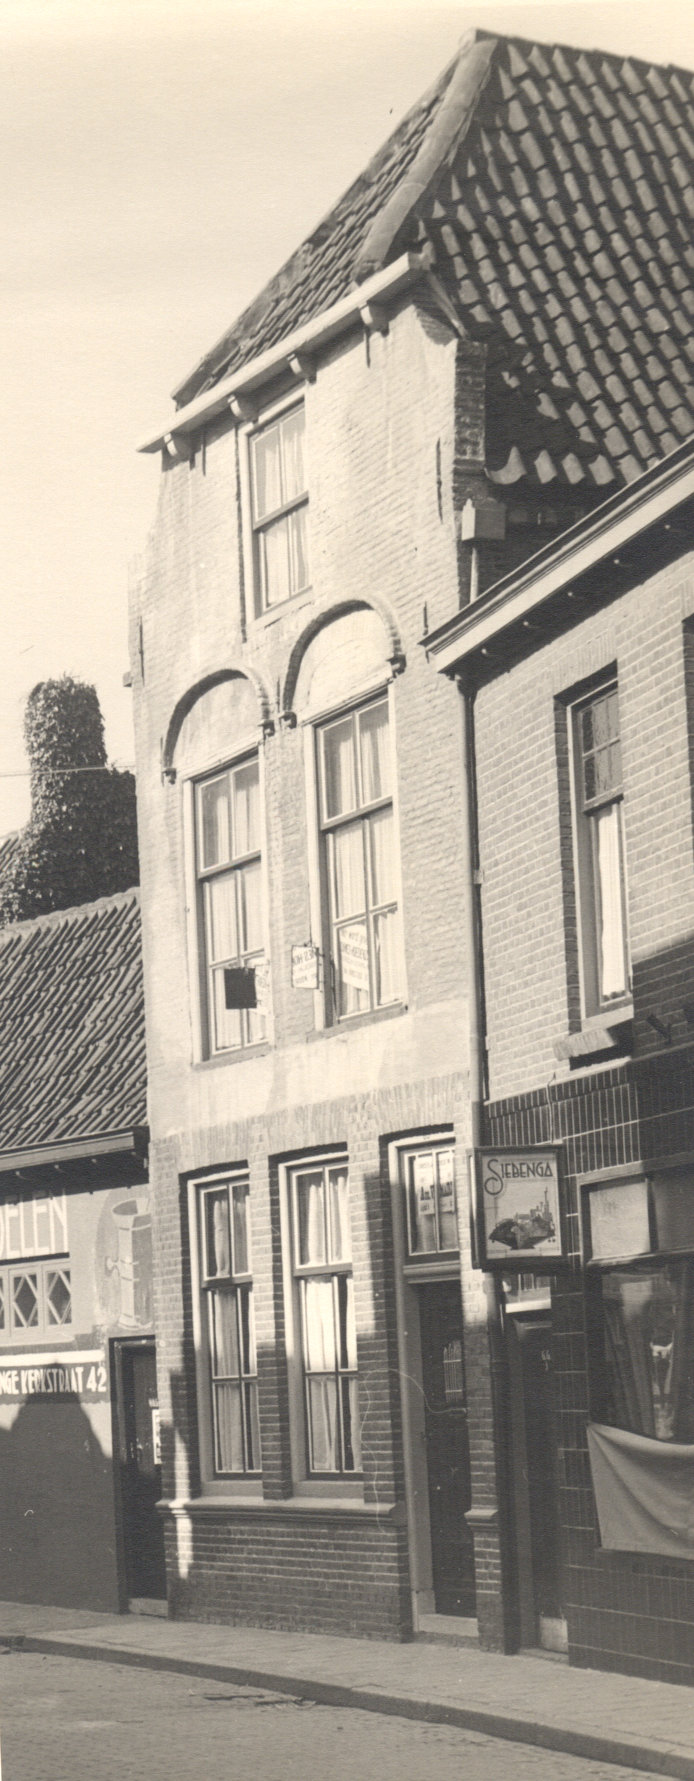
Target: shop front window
[648, 1328]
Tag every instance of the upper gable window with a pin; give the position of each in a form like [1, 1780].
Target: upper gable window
[279, 505]
[600, 849]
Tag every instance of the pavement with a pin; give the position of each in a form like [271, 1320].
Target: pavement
[531, 1698]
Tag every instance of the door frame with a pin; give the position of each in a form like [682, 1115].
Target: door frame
[409, 1348]
[534, 1629]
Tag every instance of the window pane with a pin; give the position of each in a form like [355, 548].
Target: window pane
[213, 808]
[339, 779]
[220, 917]
[347, 1329]
[294, 476]
[252, 1427]
[319, 1326]
[351, 1431]
[448, 1224]
[380, 829]
[216, 1225]
[310, 1218]
[58, 1296]
[375, 752]
[228, 1428]
[239, 1201]
[275, 562]
[224, 1336]
[246, 808]
[250, 887]
[226, 1021]
[25, 1301]
[422, 1204]
[347, 850]
[353, 985]
[267, 495]
[321, 1397]
[386, 950]
[609, 913]
[298, 548]
[338, 1199]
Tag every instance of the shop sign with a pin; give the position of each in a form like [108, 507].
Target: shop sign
[305, 966]
[617, 1220]
[354, 956]
[68, 1372]
[34, 1225]
[517, 1208]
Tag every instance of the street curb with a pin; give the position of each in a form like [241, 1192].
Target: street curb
[590, 1745]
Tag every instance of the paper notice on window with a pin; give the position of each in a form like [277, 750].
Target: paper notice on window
[354, 956]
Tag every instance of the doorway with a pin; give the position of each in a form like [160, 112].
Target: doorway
[447, 1447]
[534, 1459]
[140, 1467]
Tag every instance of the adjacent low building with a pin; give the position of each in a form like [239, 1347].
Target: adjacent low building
[578, 676]
[79, 1435]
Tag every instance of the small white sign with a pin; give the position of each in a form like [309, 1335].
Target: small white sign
[305, 966]
[354, 956]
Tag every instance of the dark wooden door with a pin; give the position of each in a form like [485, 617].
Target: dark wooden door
[143, 1536]
[448, 1456]
[535, 1463]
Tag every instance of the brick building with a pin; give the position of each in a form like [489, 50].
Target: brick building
[450, 371]
[78, 1415]
[578, 672]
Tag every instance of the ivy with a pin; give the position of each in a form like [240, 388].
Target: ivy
[81, 839]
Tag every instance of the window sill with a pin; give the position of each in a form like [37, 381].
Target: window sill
[353, 1021]
[603, 1032]
[262, 619]
[327, 1506]
[242, 1056]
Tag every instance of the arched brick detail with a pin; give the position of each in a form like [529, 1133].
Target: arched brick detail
[193, 693]
[326, 615]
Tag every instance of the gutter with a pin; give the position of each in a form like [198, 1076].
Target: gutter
[76, 1149]
[361, 304]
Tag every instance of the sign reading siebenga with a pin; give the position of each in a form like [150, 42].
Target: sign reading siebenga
[517, 1208]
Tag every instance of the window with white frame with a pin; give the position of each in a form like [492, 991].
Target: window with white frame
[359, 862]
[279, 508]
[35, 1299]
[600, 849]
[228, 1328]
[228, 861]
[322, 1267]
[429, 1181]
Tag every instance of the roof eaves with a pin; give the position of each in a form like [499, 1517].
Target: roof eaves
[632, 510]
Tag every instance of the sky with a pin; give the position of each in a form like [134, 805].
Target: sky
[161, 159]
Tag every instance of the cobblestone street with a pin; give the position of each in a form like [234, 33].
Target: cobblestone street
[73, 1720]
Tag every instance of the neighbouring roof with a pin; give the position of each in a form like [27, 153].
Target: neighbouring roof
[557, 186]
[72, 1040]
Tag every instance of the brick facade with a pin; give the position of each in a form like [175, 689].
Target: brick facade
[381, 420]
[624, 1610]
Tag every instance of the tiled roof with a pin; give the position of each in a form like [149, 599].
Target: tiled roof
[72, 1043]
[322, 269]
[561, 212]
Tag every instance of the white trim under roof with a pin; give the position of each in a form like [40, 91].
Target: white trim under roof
[610, 528]
[72, 1149]
[309, 337]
